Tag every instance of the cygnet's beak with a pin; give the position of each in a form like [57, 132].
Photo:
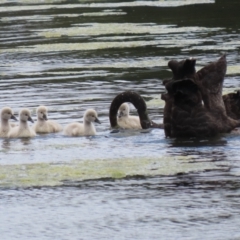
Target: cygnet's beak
[97, 120]
[45, 117]
[30, 119]
[14, 118]
[120, 114]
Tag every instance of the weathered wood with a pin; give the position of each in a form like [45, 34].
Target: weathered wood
[232, 104]
[210, 81]
[186, 115]
[180, 70]
[189, 118]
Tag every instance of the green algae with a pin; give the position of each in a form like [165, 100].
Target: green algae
[229, 90]
[156, 101]
[109, 37]
[232, 70]
[52, 174]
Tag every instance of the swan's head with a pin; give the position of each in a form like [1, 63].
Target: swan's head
[7, 114]
[123, 111]
[25, 115]
[91, 116]
[42, 113]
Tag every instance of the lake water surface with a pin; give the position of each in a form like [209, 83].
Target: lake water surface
[74, 55]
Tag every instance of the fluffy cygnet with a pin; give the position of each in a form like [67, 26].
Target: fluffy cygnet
[43, 125]
[125, 120]
[6, 114]
[86, 128]
[23, 130]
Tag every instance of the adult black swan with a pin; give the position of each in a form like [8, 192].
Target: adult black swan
[139, 104]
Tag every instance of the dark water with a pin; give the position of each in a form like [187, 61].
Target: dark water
[74, 55]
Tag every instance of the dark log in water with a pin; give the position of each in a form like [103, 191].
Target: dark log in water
[232, 104]
[186, 116]
[182, 69]
[210, 82]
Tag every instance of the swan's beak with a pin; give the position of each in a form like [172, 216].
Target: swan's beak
[97, 120]
[14, 118]
[45, 117]
[30, 119]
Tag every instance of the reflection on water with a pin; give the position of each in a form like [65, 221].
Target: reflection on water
[75, 55]
[169, 3]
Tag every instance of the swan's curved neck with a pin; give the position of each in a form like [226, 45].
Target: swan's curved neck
[137, 101]
[86, 122]
[41, 120]
[23, 123]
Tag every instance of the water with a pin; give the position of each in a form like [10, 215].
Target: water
[74, 55]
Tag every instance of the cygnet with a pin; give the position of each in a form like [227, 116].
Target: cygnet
[125, 120]
[23, 130]
[43, 125]
[6, 114]
[86, 128]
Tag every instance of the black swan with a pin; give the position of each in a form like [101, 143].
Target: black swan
[139, 104]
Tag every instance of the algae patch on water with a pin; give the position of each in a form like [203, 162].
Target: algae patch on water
[233, 70]
[52, 174]
[156, 101]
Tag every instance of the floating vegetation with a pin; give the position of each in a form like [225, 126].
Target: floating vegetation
[53, 174]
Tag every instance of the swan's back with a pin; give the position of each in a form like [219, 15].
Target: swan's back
[127, 121]
[74, 129]
[130, 122]
[18, 132]
[86, 128]
[54, 126]
[47, 127]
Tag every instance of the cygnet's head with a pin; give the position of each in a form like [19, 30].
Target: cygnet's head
[123, 111]
[91, 116]
[42, 113]
[7, 113]
[25, 115]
